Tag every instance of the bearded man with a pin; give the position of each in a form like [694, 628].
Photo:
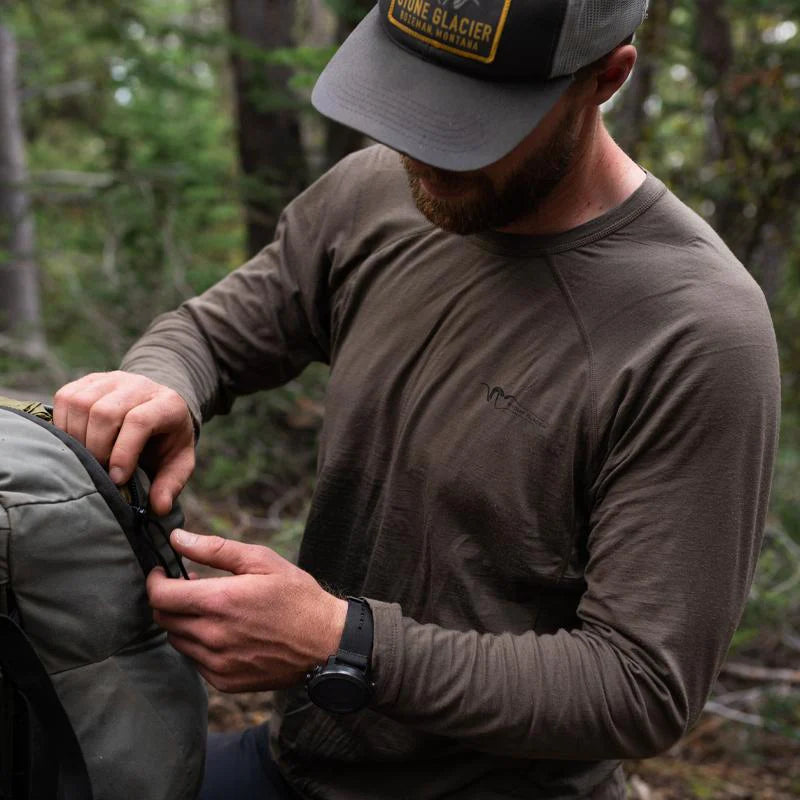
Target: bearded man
[548, 441]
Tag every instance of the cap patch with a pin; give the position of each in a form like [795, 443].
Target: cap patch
[467, 28]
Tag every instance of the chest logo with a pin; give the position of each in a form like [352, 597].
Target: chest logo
[497, 398]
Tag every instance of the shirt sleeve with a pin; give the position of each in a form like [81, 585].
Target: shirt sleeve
[258, 327]
[677, 521]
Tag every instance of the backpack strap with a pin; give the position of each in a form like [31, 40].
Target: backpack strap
[23, 669]
[8, 697]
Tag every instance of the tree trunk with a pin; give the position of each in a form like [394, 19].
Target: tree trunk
[339, 139]
[20, 307]
[270, 147]
[715, 51]
[714, 46]
[630, 119]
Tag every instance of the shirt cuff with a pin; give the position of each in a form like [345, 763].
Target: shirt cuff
[387, 651]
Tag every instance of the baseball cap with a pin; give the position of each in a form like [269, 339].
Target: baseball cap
[457, 84]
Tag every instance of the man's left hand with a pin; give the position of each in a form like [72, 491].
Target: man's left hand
[262, 627]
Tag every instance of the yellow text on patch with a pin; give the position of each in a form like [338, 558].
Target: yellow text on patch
[471, 28]
[420, 8]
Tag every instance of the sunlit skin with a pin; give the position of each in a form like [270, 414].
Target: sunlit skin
[266, 622]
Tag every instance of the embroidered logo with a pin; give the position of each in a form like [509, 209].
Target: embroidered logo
[498, 399]
[468, 28]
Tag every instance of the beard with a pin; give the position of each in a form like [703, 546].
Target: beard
[477, 203]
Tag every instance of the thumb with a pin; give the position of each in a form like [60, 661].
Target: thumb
[170, 480]
[227, 554]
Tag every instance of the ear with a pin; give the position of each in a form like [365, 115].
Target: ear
[615, 71]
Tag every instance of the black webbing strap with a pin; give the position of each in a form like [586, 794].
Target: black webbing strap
[23, 667]
[7, 710]
[355, 647]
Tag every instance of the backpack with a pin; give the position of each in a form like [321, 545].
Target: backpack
[94, 702]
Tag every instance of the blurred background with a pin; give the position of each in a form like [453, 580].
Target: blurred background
[146, 149]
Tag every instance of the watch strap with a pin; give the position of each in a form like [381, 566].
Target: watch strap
[355, 646]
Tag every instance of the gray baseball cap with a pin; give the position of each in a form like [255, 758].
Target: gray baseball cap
[458, 84]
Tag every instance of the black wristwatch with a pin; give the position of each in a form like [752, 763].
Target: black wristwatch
[342, 685]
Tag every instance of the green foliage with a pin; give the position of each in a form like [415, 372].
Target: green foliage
[131, 146]
[775, 596]
[722, 130]
[266, 447]
[132, 170]
[350, 11]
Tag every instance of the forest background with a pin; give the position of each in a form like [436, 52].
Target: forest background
[146, 149]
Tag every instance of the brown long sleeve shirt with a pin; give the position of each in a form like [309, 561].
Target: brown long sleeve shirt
[545, 461]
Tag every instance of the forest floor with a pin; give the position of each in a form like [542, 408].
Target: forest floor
[719, 759]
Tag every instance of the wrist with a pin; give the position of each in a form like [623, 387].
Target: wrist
[343, 683]
[332, 631]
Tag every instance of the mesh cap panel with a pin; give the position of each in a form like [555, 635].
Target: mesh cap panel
[593, 28]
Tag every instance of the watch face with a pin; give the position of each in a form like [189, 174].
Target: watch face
[340, 689]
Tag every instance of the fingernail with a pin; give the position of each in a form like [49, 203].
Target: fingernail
[185, 538]
[116, 475]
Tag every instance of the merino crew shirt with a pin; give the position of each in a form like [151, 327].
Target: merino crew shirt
[545, 461]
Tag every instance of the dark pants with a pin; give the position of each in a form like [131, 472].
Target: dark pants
[238, 765]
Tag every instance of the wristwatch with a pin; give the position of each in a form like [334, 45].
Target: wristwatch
[342, 684]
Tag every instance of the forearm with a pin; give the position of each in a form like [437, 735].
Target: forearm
[568, 695]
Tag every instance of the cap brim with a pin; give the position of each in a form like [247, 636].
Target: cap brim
[434, 114]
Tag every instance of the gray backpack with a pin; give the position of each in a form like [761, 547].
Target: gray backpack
[94, 702]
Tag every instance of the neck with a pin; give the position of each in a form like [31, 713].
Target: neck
[601, 177]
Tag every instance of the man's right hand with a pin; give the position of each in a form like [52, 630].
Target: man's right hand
[119, 416]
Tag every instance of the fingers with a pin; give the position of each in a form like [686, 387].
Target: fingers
[100, 427]
[229, 555]
[192, 629]
[72, 403]
[115, 414]
[214, 597]
[168, 426]
[195, 638]
[172, 475]
[211, 666]
[172, 596]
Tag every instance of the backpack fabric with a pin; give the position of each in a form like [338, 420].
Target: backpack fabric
[74, 554]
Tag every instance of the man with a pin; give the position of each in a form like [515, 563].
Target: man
[548, 440]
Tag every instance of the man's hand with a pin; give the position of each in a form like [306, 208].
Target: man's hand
[116, 414]
[263, 627]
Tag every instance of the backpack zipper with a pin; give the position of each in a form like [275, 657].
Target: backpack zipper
[144, 521]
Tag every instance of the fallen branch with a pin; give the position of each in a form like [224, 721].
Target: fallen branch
[72, 178]
[745, 696]
[753, 673]
[781, 536]
[754, 720]
[791, 640]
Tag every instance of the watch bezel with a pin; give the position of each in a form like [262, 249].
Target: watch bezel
[336, 675]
